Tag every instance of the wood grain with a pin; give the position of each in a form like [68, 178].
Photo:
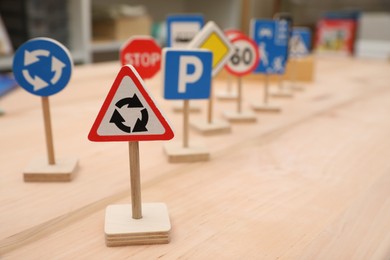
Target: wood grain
[309, 183]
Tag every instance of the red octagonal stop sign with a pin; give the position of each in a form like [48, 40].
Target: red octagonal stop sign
[143, 53]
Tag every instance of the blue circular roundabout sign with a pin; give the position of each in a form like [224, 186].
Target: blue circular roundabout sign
[42, 66]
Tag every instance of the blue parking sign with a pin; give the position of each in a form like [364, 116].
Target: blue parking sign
[300, 42]
[271, 37]
[182, 28]
[42, 66]
[187, 73]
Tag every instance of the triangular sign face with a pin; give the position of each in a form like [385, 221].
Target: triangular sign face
[129, 113]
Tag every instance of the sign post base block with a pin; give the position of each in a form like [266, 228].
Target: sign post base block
[213, 128]
[193, 108]
[266, 108]
[227, 95]
[122, 230]
[281, 93]
[193, 153]
[39, 170]
[243, 117]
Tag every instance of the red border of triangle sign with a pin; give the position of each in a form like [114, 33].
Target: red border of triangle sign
[129, 71]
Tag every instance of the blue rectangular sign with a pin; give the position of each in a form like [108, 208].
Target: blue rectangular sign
[271, 37]
[187, 73]
[300, 42]
[182, 28]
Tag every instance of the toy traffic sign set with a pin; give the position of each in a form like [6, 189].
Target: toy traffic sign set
[129, 114]
[271, 37]
[244, 60]
[43, 67]
[181, 29]
[213, 39]
[186, 75]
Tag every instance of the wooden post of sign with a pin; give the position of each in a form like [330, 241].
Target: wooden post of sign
[281, 92]
[229, 93]
[266, 106]
[50, 169]
[48, 131]
[211, 126]
[135, 180]
[185, 123]
[149, 222]
[239, 97]
[239, 116]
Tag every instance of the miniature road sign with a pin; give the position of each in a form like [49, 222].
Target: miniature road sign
[272, 45]
[143, 53]
[129, 114]
[300, 43]
[244, 60]
[43, 67]
[179, 82]
[285, 19]
[186, 75]
[212, 38]
[229, 93]
[182, 28]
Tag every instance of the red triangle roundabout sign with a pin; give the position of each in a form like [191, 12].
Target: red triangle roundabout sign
[129, 113]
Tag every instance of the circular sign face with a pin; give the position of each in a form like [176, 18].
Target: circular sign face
[245, 58]
[143, 53]
[42, 66]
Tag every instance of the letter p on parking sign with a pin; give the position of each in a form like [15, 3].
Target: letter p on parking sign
[187, 73]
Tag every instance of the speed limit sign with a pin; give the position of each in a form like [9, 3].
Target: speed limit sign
[245, 58]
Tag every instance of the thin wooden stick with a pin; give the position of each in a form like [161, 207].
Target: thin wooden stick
[239, 97]
[135, 180]
[280, 82]
[186, 106]
[48, 131]
[229, 83]
[266, 92]
[210, 107]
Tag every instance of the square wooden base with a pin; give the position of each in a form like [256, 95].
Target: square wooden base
[122, 230]
[193, 153]
[243, 117]
[193, 108]
[226, 95]
[214, 128]
[266, 108]
[281, 93]
[39, 170]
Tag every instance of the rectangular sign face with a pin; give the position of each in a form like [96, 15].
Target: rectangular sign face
[300, 42]
[181, 29]
[271, 37]
[187, 73]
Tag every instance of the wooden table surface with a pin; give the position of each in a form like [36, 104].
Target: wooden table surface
[310, 183]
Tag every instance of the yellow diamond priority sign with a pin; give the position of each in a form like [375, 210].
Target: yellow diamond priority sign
[212, 38]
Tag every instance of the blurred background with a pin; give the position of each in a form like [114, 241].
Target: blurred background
[95, 29]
